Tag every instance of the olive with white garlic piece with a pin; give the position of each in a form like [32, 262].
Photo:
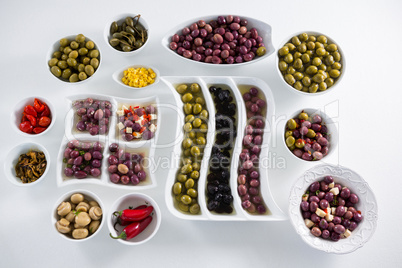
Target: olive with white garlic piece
[80, 233]
[95, 213]
[63, 226]
[63, 209]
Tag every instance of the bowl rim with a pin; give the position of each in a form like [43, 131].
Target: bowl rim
[328, 122]
[120, 17]
[116, 75]
[19, 106]
[363, 232]
[72, 37]
[139, 195]
[64, 197]
[267, 28]
[318, 93]
[7, 164]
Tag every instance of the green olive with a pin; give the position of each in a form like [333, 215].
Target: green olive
[283, 51]
[291, 124]
[189, 118]
[302, 47]
[303, 37]
[89, 45]
[71, 62]
[81, 68]
[82, 76]
[290, 46]
[332, 48]
[316, 61]
[320, 51]
[310, 45]
[195, 174]
[290, 141]
[318, 45]
[187, 161]
[188, 108]
[56, 54]
[192, 193]
[298, 85]
[261, 51]
[182, 177]
[194, 209]
[322, 39]
[313, 88]
[334, 73]
[290, 70]
[329, 60]
[86, 60]
[290, 79]
[203, 128]
[305, 89]
[195, 88]
[195, 151]
[197, 108]
[204, 115]
[94, 63]
[186, 169]
[300, 143]
[187, 97]
[337, 56]
[298, 63]
[181, 89]
[318, 78]
[288, 133]
[62, 64]
[80, 38]
[298, 76]
[310, 133]
[283, 65]
[197, 122]
[305, 58]
[296, 41]
[67, 50]
[322, 67]
[188, 127]
[66, 73]
[303, 116]
[189, 184]
[306, 81]
[288, 58]
[336, 66]
[322, 86]
[56, 71]
[183, 207]
[187, 143]
[329, 81]
[64, 42]
[311, 70]
[297, 55]
[74, 78]
[191, 135]
[200, 100]
[53, 62]
[311, 38]
[177, 188]
[186, 199]
[94, 53]
[201, 141]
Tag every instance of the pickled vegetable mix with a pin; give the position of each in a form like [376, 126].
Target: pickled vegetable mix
[31, 166]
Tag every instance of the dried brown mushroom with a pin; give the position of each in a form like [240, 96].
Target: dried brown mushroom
[30, 166]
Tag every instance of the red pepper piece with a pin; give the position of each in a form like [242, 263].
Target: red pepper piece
[38, 105]
[26, 127]
[135, 214]
[123, 222]
[31, 119]
[24, 118]
[30, 110]
[45, 112]
[134, 229]
[38, 130]
[44, 121]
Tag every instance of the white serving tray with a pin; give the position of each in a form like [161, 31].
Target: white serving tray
[232, 83]
[112, 136]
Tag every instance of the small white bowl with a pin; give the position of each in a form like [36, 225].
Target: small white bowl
[90, 196]
[118, 75]
[367, 205]
[134, 200]
[264, 30]
[55, 47]
[16, 115]
[120, 19]
[12, 160]
[333, 135]
[318, 93]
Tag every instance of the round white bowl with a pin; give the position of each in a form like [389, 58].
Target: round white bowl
[12, 159]
[118, 75]
[16, 115]
[264, 30]
[90, 196]
[318, 93]
[120, 19]
[328, 122]
[55, 47]
[134, 200]
[367, 205]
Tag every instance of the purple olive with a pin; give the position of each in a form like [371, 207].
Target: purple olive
[97, 155]
[113, 147]
[95, 172]
[125, 179]
[112, 168]
[96, 163]
[68, 172]
[115, 178]
[79, 174]
[113, 160]
[78, 160]
[339, 229]
[142, 175]
[353, 198]
[134, 179]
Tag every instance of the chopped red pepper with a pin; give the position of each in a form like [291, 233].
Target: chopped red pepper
[143, 129]
[44, 121]
[31, 119]
[26, 127]
[45, 112]
[38, 130]
[38, 105]
[30, 110]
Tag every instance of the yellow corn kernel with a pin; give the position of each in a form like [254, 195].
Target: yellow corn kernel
[138, 77]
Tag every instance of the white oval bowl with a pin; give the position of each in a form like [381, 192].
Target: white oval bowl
[318, 93]
[16, 115]
[134, 200]
[367, 204]
[12, 159]
[264, 30]
[119, 19]
[328, 122]
[56, 46]
[65, 197]
[118, 75]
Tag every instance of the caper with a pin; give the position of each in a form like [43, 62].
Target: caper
[114, 27]
[114, 42]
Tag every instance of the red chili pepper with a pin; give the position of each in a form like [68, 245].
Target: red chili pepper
[26, 127]
[44, 121]
[31, 119]
[38, 130]
[45, 112]
[38, 105]
[30, 110]
[134, 229]
[134, 214]
[123, 222]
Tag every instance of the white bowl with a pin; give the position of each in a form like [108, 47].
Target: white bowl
[120, 19]
[16, 115]
[367, 205]
[90, 196]
[56, 46]
[264, 30]
[333, 135]
[12, 159]
[118, 75]
[318, 93]
[134, 200]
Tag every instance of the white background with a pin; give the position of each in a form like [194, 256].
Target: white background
[368, 115]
